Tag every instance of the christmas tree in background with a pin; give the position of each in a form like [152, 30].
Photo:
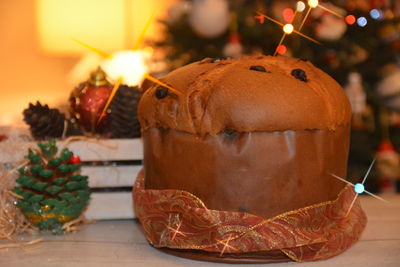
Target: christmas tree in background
[360, 51]
[51, 188]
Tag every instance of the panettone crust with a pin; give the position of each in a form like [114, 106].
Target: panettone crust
[251, 94]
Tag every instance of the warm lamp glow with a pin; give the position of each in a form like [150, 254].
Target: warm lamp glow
[108, 25]
[128, 65]
[95, 22]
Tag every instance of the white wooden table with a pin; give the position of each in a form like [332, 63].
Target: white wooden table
[121, 243]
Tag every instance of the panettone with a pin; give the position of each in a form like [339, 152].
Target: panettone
[258, 135]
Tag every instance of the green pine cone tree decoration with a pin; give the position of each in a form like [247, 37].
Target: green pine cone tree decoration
[52, 189]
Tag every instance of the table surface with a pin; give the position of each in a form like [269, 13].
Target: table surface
[121, 243]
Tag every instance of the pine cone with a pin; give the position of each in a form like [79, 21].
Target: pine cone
[124, 122]
[53, 191]
[46, 123]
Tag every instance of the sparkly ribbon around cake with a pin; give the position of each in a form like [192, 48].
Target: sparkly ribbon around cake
[177, 219]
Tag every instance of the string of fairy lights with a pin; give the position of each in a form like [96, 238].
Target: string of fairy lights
[289, 16]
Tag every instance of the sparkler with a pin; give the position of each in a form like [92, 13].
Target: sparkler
[157, 81]
[289, 27]
[226, 245]
[305, 18]
[140, 39]
[314, 4]
[359, 188]
[176, 231]
[110, 98]
[331, 11]
[260, 18]
[106, 55]
[147, 76]
[93, 49]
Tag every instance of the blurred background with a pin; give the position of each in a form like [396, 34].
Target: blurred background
[37, 55]
[49, 47]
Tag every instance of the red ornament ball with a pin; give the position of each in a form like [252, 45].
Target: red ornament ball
[87, 102]
[74, 160]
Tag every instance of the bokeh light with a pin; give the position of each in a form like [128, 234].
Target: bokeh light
[376, 14]
[288, 15]
[313, 3]
[129, 65]
[350, 19]
[288, 28]
[300, 6]
[359, 188]
[281, 49]
[362, 21]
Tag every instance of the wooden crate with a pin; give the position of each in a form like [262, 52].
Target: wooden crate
[112, 166]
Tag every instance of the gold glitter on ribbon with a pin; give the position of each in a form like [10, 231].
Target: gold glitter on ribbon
[312, 233]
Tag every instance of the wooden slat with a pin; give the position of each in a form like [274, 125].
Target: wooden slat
[111, 176]
[107, 205]
[115, 205]
[115, 149]
[14, 152]
[93, 150]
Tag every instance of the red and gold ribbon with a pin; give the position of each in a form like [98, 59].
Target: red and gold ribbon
[179, 220]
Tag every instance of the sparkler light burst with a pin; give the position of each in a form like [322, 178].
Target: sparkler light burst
[290, 28]
[176, 231]
[226, 245]
[359, 188]
[127, 66]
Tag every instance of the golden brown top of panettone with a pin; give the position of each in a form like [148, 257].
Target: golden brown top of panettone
[249, 94]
